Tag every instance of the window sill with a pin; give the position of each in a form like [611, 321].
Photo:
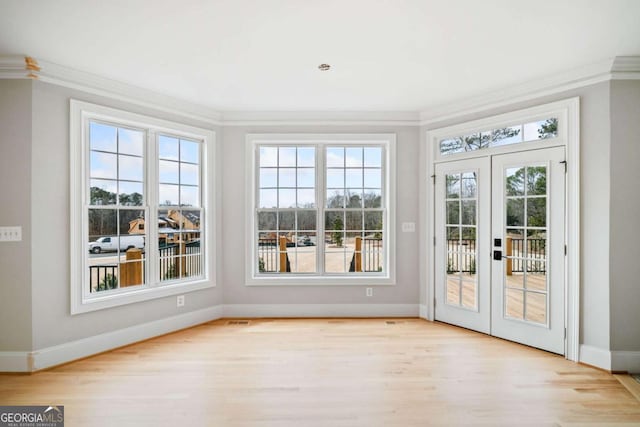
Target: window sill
[87, 305]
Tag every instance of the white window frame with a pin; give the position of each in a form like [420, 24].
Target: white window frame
[80, 114]
[320, 141]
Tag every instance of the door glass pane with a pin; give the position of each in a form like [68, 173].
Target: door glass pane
[525, 269]
[514, 303]
[536, 307]
[461, 250]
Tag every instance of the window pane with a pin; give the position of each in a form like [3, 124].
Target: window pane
[536, 307]
[103, 224]
[306, 220]
[506, 136]
[168, 195]
[451, 146]
[353, 220]
[372, 198]
[267, 220]
[515, 212]
[537, 212]
[168, 172]
[287, 177]
[102, 137]
[373, 157]
[189, 196]
[335, 198]
[268, 156]
[130, 168]
[103, 192]
[189, 151]
[469, 185]
[287, 198]
[536, 180]
[373, 178]
[468, 212]
[306, 198]
[130, 141]
[306, 156]
[354, 177]
[453, 186]
[268, 177]
[515, 182]
[453, 212]
[103, 165]
[353, 198]
[373, 220]
[167, 147]
[335, 157]
[353, 157]
[306, 177]
[189, 174]
[268, 199]
[287, 156]
[286, 220]
[130, 193]
[334, 220]
[335, 178]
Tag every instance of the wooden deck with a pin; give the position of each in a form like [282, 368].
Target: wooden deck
[327, 372]
[516, 300]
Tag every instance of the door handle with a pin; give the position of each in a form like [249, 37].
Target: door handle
[497, 256]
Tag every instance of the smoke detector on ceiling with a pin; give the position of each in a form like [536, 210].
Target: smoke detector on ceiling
[324, 67]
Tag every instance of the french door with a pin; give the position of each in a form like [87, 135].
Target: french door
[500, 243]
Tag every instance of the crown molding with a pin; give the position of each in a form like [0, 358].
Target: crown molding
[15, 67]
[618, 68]
[324, 118]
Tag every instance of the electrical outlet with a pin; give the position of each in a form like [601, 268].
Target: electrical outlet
[180, 301]
[11, 234]
[369, 292]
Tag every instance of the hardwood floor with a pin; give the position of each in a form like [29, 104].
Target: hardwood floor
[326, 372]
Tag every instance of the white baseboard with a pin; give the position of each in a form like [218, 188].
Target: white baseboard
[63, 353]
[320, 310]
[424, 312]
[595, 356]
[625, 361]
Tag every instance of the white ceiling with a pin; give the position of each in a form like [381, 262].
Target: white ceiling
[262, 55]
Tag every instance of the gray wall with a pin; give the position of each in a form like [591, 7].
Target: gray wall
[52, 323]
[406, 290]
[594, 194]
[625, 215]
[15, 193]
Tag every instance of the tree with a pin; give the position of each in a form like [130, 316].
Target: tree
[477, 141]
[548, 129]
[338, 225]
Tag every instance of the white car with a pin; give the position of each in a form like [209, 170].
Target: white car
[110, 243]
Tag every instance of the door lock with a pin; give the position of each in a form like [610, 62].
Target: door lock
[497, 255]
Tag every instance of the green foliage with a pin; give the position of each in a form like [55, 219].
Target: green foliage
[548, 129]
[261, 266]
[338, 225]
[108, 282]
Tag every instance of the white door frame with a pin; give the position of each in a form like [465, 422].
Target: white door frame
[568, 114]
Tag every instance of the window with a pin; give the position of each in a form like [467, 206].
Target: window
[129, 171]
[530, 131]
[321, 209]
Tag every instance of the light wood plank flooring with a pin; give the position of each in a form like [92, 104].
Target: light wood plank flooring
[327, 372]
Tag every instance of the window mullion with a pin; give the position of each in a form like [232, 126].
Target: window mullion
[151, 207]
[320, 205]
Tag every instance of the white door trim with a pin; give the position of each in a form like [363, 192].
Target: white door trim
[568, 113]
